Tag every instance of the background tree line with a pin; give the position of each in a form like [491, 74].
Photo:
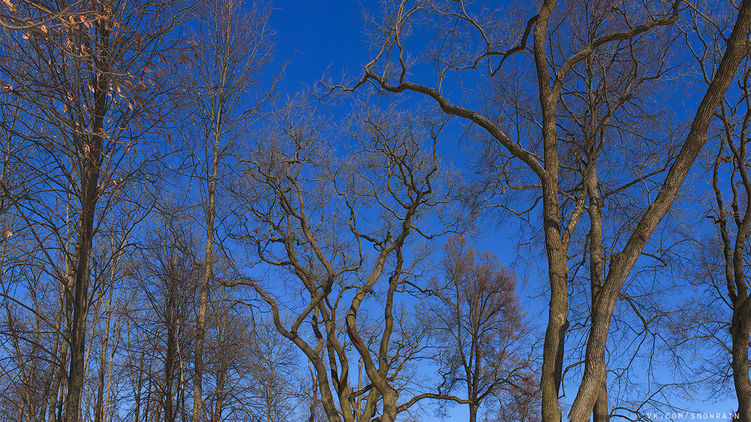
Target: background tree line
[183, 240]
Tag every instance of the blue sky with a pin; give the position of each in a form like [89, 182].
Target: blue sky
[317, 38]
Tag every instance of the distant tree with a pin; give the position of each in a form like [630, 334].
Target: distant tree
[272, 392]
[480, 329]
[167, 275]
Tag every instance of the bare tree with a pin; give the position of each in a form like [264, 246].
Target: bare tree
[234, 45]
[24, 15]
[122, 299]
[272, 392]
[316, 219]
[388, 71]
[86, 89]
[168, 274]
[480, 329]
[725, 256]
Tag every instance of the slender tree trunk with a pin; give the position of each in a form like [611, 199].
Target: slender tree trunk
[149, 401]
[57, 389]
[56, 371]
[740, 331]
[198, 365]
[222, 78]
[312, 407]
[99, 401]
[208, 267]
[90, 155]
[24, 404]
[110, 365]
[596, 275]
[219, 404]
[139, 387]
[171, 355]
[99, 406]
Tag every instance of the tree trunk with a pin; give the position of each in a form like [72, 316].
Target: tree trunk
[740, 331]
[210, 211]
[552, 357]
[139, 387]
[81, 292]
[219, 404]
[171, 354]
[149, 389]
[596, 274]
[473, 412]
[90, 155]
[600, 413]
[390, 398]
[99, 406]
[198, 364]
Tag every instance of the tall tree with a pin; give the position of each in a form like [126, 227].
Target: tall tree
[551, 68]
[233, 45]
[168, 273]
[88, 88]
[726, 254]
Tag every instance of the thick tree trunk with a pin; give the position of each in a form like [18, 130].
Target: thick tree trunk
[600, 413]
[389, 405]
[555, 333]
[473, 412]
[552, 357]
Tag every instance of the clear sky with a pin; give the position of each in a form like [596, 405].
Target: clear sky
[320, 39]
